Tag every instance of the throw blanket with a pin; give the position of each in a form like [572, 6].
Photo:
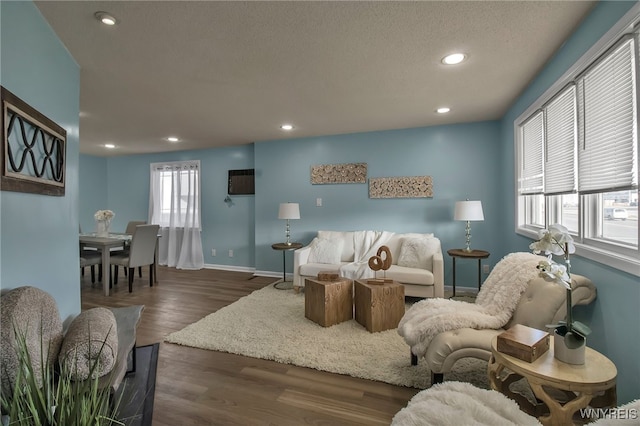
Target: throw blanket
[366, 244]
[457, 403]
[90, 347]
[493, 308]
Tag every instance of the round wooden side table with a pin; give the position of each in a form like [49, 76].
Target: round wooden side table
[580, 384]
[284, 247]
[473, 254]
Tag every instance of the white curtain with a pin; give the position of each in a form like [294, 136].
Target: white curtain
[174, 204]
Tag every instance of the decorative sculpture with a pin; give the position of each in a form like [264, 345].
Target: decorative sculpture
[377, 263]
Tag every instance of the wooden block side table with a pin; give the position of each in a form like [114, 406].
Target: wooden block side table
[378, 307]
[328, 302]
[591, 384]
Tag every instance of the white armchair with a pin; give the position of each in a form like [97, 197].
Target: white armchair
[541, 303]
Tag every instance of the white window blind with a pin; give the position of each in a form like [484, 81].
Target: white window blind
[531, 167]
[607, 140]
[560, 144]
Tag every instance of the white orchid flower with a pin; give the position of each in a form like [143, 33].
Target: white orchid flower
[553, 272]
[553, 241]
[562, 237]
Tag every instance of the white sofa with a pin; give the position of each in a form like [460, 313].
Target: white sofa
[416, 259]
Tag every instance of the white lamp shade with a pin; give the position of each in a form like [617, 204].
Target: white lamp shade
[289, 211]
[468, 210]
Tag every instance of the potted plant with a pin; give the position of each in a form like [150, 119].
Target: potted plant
[51, 397]
[569, 335]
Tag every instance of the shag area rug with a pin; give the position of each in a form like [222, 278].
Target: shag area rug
[270, 324]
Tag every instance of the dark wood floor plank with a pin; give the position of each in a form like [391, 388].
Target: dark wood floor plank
[200, 387]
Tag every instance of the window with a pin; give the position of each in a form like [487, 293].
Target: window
[175, 190]
[577, 158]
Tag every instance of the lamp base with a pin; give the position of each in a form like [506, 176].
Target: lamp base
[468, 237]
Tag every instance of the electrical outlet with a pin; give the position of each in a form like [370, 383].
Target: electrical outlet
[318, 202]
[485, 269]
[230, 253]
[213, 252]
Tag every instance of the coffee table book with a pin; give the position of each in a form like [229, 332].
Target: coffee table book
[522, 342]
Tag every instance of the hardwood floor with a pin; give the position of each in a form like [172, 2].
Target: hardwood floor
[201, 387]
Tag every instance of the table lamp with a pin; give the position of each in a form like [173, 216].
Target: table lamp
[468, 211]
[289, 211]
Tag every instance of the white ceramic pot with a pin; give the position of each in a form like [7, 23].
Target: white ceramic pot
[568, 355]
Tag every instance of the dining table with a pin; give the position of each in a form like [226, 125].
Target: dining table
[105, 244]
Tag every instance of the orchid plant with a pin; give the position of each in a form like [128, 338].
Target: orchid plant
[104, 215]
[557, 241]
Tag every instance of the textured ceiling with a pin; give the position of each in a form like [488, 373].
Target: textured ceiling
[224, 73]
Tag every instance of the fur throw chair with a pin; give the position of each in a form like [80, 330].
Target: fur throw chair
[442, 331]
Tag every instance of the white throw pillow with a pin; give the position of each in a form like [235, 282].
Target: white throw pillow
[324, 250]
[418, 252]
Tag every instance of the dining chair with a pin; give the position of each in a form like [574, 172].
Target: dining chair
[131, 227]
[141, 253]
[91, 258]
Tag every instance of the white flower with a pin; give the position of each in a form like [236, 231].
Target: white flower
[553, 241]
[104, 215]
[551, 271]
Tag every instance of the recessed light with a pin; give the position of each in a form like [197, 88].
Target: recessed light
[109, 145]
[454, 58]
[173, 139]
[443, 110]
[286, 127]
[105, 18]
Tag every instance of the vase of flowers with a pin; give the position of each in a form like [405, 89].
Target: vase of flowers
[570, 337]
[103, 221]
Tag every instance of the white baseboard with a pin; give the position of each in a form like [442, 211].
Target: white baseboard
[246, 269]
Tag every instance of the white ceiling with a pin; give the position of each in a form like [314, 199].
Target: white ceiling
[223, 73]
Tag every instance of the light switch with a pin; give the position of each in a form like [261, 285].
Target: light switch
[318, 202]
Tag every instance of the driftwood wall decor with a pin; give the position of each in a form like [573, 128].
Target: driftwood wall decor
[401, 187]
[33, 149]
[339, 173]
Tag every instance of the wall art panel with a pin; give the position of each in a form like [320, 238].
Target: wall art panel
[339, 173]
[401, 187]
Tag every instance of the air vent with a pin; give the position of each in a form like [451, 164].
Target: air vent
[241, 182]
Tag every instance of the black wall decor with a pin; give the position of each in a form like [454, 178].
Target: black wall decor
[33, 149]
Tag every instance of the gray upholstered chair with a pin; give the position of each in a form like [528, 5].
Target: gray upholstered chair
[541, 303]
[141, 253]
[131, 228]
[91, 258]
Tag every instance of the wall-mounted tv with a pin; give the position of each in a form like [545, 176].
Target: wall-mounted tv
[241, 182]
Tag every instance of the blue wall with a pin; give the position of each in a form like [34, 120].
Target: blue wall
[123, 183]
[614, 317]
[39, 243]
[460, 159]
[93, 190]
